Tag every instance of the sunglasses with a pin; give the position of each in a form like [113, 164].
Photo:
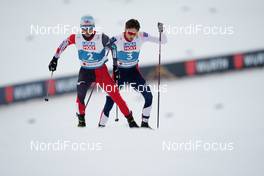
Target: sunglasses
[131, 33]
[87, 27]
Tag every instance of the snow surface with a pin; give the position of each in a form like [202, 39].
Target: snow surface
[25, 57]
[225, 108]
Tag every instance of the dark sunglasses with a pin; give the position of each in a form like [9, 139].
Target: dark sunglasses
[131, 33]
[87, 27]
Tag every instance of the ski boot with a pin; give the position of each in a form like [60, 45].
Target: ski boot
[144, 123]
[131, 121]
[81, 119]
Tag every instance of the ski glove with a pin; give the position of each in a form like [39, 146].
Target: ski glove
[160, 27]
[53, 64]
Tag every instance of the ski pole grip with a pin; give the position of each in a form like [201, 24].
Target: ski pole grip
[160, 27]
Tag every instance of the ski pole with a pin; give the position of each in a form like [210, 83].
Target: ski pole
[90, 95]
[116, 81]
[158, 108]
[48, 87]
[116, 119]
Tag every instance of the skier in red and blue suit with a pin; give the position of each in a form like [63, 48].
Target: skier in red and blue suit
[92, 48]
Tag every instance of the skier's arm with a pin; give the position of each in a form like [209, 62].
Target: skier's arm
[115, 68]
[148, 38]
[69, 41]
[53, 63]
[110, 44]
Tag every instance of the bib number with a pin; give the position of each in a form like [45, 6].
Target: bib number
[90, 56]
[129, 56]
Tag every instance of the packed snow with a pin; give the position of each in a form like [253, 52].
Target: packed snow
[223, 109]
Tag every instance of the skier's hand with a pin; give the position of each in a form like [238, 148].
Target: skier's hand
[160, 27]
[116, 73]
[53, 64]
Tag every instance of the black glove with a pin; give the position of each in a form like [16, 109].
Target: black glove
[116, 73]
[160, 27]
[53, 64]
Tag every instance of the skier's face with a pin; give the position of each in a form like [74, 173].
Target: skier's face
[87, 31]
[131, 33]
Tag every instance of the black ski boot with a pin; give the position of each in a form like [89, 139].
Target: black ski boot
[101, 126]
[81, 120]
[131, 121]
[145, 125]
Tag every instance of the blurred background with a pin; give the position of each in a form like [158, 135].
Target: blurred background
[212, 68]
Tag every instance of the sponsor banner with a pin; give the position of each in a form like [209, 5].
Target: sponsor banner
[195, 67]
[205, 66]
[24, 91]
[38, 89]
[21, 92]
[65, 85]
[2, 95]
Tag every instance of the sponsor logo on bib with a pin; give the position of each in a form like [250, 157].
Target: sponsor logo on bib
[88, 45]
[128, 46]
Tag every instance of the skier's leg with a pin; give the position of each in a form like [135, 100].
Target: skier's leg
[105, 113]
[107, 108]
[148, 97]
[139, 84]
[85, 79]
[108, 84]
[82, 88]
[108, 105]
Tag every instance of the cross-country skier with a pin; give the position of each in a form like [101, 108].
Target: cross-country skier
[126, 51]
[92, 47]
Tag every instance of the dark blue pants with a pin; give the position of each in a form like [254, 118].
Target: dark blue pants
[133, 77]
